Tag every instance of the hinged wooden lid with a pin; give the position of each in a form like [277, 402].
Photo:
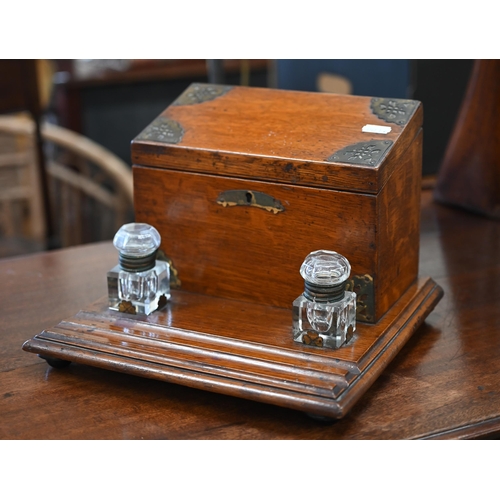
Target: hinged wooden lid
[301, 138]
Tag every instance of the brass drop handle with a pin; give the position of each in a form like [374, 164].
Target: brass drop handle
[247, 198]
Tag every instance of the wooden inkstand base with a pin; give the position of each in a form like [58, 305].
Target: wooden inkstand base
[242, 184]
[238, 348]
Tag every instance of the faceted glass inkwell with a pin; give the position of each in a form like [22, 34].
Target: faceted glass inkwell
[325, 314]
[139, 284]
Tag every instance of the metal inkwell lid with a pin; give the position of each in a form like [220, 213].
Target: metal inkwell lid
[325, 275]
[137, 244]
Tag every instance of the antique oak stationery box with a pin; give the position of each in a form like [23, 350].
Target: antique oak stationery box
[242, 183]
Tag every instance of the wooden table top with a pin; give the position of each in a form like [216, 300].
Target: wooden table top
[444, 383]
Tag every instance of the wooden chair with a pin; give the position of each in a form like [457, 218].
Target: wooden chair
[25, 86]
[91, 189]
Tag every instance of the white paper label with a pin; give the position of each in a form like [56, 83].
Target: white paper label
[376, 129]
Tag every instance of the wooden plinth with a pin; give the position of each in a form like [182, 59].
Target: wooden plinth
[238, 348]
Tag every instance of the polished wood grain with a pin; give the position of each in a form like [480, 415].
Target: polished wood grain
[237, 348]
[443, 384]
[247, 252]
[281, 136]
[397, 228]
[277, 142]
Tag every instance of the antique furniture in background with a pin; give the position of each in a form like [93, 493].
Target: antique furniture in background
[22, 222]
[91, 191]
[21, 89]
[469, 176]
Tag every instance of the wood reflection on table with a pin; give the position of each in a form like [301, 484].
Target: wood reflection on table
[443, 384]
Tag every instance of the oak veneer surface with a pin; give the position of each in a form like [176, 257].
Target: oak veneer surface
[277, 136]
[443, 384]
[285, 146]
[273, 251]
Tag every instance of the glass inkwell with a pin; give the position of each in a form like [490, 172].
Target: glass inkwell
[325, 314]
[139, 284]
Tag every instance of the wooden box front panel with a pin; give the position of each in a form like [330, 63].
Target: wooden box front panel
[247, 252]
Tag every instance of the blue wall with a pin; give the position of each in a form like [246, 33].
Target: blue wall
[369, 77]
